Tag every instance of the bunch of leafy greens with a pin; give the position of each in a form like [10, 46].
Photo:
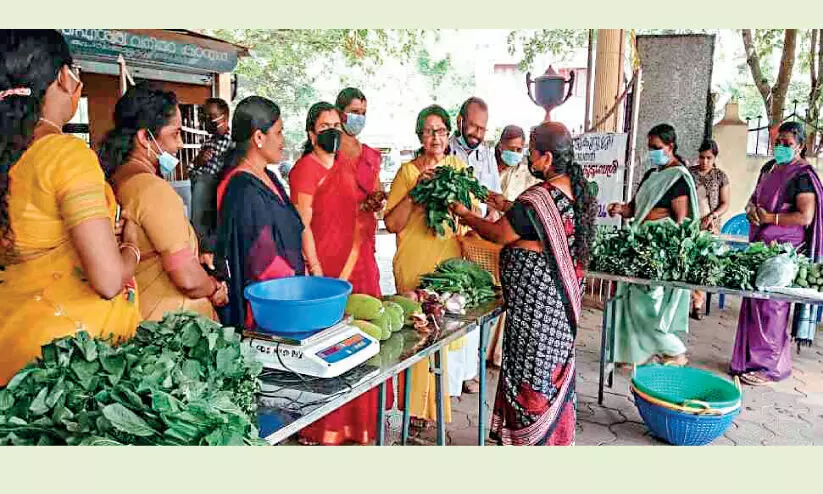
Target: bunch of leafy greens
[662, 251]
[183, 381]
[461, 276]
[740, 266]
[448, 185]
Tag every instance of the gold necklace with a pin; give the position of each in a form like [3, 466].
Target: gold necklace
[49, 122]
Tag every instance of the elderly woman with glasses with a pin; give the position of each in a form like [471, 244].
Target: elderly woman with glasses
[419, 249]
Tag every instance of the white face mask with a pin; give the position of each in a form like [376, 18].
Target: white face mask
[167, 162]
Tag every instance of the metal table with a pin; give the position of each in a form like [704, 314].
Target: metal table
[288, 421]
[607, 327]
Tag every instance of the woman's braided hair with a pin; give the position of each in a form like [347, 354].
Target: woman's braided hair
[555, 138]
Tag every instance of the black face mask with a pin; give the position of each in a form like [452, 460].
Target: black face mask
[211, 127]
[539, 175]
[329, 140]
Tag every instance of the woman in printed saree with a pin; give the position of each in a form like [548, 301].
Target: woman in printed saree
[647, 318]
[62, 268]
[419, 250]
[259, 231]
[786, 207]
[547, 232]
[335, 187]
[141, 147]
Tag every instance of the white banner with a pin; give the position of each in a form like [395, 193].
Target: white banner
[603, 158]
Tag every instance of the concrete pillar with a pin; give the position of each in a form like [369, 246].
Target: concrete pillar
[731, 135]
[224, 86]
[607, 78]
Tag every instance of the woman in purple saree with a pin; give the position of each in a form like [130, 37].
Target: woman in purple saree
[786, 206]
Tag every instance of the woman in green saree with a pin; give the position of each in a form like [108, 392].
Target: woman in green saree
[647, 318]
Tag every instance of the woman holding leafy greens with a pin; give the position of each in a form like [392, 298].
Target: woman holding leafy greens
[787, 207]
[647, 318]
[420, 250]
[548, 232]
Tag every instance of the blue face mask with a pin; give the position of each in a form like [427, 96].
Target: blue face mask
[354, 123]
[783, 154]
[511, 158]
[658, 157]
[167, 162]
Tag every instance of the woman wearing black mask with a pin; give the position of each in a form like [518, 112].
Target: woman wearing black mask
[336, 243]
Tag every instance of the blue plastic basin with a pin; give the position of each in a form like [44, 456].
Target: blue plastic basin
[299, 304]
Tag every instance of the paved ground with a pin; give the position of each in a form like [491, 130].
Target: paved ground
[786, 413]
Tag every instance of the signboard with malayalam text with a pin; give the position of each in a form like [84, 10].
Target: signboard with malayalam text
[109, 43]
[603, 158]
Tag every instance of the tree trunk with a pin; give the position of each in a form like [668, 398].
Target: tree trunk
[784, 77]
[815, 71]
[753, 60]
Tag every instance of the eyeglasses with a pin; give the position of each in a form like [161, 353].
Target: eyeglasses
[442, 132]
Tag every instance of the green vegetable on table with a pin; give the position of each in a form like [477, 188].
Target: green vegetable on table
[182, 381]
[463, 277]
[448, 185]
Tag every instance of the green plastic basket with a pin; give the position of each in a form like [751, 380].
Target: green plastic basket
[686, 386]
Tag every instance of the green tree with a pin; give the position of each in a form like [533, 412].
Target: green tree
[759, 44]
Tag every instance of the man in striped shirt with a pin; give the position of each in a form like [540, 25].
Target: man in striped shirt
[205, 170]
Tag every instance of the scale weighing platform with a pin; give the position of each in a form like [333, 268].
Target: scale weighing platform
[326, 353]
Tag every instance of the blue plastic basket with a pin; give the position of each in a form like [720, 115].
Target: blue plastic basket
[300, 304]
[682, 428]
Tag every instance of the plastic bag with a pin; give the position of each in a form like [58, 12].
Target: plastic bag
[777, 272]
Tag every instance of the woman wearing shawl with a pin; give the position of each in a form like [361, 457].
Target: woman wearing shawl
[259, 232]
[548, 231]
[135, 153]
[786, 206]
[647, 318]
[63, 268]
[335, 187]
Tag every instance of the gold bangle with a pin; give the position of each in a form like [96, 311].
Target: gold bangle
[133, 248]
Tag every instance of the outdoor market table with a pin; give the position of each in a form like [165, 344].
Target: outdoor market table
[278, 422]
[607, 327]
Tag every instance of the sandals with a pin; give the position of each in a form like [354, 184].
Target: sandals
[676, 360]
[697, 314]
[755, 378]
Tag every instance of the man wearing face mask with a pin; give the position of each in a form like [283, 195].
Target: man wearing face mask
[467, 145]
[205, 171]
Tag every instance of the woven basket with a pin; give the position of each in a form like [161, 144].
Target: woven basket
[486, 254]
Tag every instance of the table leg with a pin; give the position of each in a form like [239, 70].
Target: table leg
[603, 339]
[610, 360]
[438, 398]
[381, 414]
[407, 378]
[481, 414]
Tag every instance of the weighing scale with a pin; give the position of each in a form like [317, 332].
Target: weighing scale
[326, 353]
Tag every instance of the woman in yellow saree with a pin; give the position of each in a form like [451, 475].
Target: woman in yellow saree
[63, 269]
[419, 250]
[140, 148]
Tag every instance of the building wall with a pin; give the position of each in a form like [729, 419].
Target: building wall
[103, 91]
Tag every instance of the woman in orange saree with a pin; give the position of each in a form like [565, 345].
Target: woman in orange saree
[336, 190]
[63, 270]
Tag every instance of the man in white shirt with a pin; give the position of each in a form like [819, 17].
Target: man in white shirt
[467, 145]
